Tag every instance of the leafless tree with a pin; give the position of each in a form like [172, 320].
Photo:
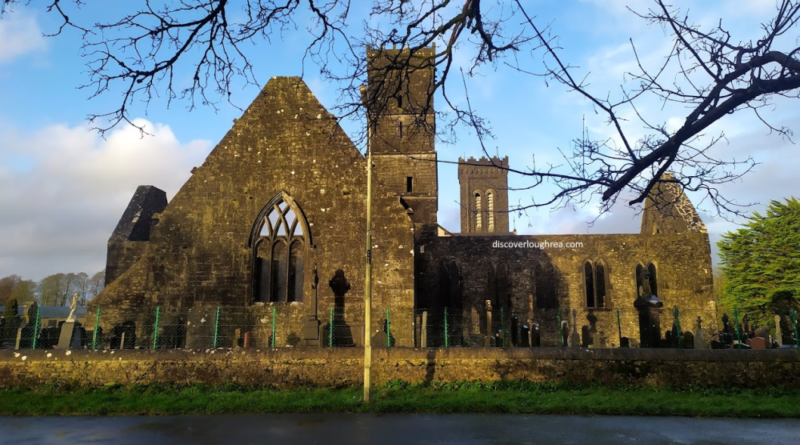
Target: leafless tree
[97, 283]
[710, 71]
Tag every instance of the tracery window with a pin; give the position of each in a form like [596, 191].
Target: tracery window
[280, 251]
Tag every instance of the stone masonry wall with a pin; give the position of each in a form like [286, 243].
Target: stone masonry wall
[343, 367]
[683, 264]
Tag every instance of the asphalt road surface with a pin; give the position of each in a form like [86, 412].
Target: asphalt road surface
[388, 429]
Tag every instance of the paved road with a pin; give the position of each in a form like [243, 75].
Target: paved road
[352, 429]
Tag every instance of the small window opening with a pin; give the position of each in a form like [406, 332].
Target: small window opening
[490, 215]
[478, 211]
[409, 184]
[400, 128]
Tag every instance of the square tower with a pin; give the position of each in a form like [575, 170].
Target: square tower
[399, 96]
[484, 194]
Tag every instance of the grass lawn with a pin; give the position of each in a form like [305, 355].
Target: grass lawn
[399, 397]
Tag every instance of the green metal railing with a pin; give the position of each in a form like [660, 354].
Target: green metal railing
[36, 328]
[96, 326]
[274, 318]
[216, 328]
[388, 329]
[155, 327]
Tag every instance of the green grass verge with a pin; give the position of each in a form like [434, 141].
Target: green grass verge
[399, 397]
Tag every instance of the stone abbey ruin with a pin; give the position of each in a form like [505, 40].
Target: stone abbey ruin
[273, 223]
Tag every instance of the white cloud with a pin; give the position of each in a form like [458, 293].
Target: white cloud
[63, 189]
[20, 34]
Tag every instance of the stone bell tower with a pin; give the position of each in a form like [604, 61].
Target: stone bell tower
[484, 194]
[400, 84]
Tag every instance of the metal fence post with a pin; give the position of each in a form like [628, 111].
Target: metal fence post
[216, 328]
[155, 328]
[36, 327]
[738, 333]
[96, 325]
[274, 316]
[388, 329]
[330, 330]
[446, 337]
[678, 327]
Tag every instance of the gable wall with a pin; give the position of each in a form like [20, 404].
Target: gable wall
[199, 254]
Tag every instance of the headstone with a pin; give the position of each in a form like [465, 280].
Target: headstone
[688, 340]
[758, 343]
[525, 336]
[70, 337]
[379, 340]
[575, 338]
[19, 338]
[778, 334]
[700, 338]
[564, 333]
[586, 335]
[309, 333]
[530, 332]
[424, 342]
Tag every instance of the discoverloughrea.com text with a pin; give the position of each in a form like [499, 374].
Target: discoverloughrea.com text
[529, 244]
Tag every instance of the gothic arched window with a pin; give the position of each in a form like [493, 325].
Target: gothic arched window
[478, 211]
[279, 252]
[490, 210]
[595, 279]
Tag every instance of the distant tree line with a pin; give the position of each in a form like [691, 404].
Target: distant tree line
[52, 290]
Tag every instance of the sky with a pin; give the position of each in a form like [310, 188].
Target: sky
[63, 187]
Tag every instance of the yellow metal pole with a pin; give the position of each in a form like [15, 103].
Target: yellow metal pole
[368, 281]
